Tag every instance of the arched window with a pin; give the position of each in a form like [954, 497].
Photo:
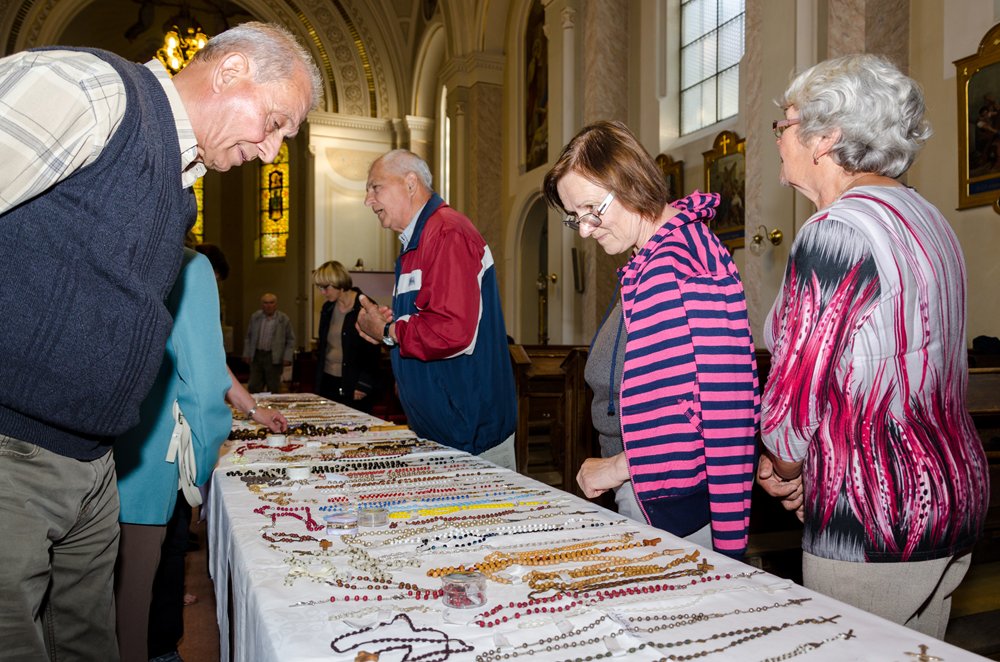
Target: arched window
[198, 229]
[443, 183]
[273, 228]
[711, 48]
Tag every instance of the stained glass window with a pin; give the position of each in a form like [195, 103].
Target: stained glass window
[198, 230]
[274, 206]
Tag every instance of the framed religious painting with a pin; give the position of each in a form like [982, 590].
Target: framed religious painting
[725, 174]
[673, 173]
[978, 80]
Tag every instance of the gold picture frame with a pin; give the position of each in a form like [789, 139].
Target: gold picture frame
[978, 81]
[673, 173]
[725, 174]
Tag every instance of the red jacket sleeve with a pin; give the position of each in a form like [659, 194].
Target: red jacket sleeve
[449, 304]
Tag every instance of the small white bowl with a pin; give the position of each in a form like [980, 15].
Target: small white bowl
[297, 473]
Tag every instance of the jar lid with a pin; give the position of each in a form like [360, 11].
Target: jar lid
[373, 517]
[470, 577]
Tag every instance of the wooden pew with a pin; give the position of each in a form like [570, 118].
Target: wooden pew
[541, 397]
[983, 403]
[580, 438]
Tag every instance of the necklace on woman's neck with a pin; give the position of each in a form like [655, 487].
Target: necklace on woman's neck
[850, 184]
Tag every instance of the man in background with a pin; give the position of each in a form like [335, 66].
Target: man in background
[269, 346]
[97, 156]
[445, 328]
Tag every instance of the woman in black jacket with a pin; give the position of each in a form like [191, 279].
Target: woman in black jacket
[347, 365]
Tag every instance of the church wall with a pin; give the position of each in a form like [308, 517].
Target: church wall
[783, 36]
[939, 36]
[344, 229]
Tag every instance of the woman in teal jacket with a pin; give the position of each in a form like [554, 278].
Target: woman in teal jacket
[193, 374]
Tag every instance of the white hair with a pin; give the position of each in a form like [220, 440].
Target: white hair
[273, 49]
[403, 161]
[878, 110]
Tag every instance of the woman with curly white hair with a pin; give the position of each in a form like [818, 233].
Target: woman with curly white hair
[864, 423]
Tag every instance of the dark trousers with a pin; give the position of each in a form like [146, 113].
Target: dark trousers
[264, 375]
[138, 560]
[331, 387]
[166, 611]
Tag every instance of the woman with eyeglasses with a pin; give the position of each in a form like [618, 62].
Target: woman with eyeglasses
[689, 402]
[864, 420]
[347, 366]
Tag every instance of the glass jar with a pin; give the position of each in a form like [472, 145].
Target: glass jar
[341, 524]
[373, 518]
[464, 590]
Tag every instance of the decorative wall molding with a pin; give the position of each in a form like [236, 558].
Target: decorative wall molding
[473, 68]
[339, 120]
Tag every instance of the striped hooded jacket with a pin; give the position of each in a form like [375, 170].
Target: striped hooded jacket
[690, 399]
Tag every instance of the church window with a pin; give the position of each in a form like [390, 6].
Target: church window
[198, 229]
[443, 179]
[712, 40]
[274, 185]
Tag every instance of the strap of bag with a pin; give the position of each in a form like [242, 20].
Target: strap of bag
[181, 450]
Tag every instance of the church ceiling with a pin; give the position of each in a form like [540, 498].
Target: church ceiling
[346, 37]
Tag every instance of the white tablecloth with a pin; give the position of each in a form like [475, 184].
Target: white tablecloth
[281, 591]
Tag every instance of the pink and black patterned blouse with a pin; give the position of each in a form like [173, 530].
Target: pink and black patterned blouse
[868, 382]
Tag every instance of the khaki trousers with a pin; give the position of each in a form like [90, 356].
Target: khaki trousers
[59, 521]
[502, 454]
[915, 594]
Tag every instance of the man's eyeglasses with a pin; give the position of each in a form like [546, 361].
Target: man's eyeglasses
[779, 126]
[593, 219]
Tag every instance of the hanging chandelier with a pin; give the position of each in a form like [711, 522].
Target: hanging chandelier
[180, 44]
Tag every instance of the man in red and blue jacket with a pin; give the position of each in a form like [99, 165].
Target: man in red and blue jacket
[446, 328]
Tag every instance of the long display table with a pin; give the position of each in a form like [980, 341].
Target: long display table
[352, 540]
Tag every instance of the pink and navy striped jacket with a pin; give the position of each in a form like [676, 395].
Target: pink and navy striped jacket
[690, 401]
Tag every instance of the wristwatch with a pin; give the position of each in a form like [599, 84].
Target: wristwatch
[386, 338]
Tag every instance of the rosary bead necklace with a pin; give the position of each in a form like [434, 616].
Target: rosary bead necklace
[290, 511]
[640, 573]
[640, 592]
[678, 620]
[555, 643]
[611, 564]
[810, 646]
[286, 537]
[439, 654]
[443, 510]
